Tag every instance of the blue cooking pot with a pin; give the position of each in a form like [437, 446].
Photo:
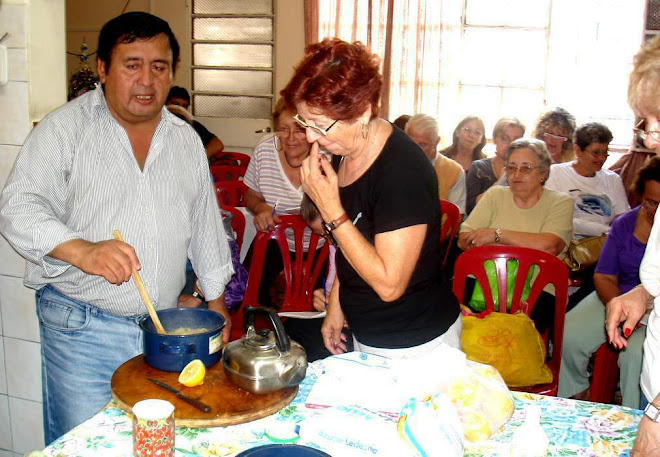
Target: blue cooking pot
[174, 352]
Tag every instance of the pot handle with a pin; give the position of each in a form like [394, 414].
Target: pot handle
[281, 338]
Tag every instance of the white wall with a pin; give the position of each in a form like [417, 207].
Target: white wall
[37, 85]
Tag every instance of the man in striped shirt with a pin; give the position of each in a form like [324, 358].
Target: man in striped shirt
[112, 159]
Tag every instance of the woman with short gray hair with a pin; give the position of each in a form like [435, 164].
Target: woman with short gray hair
[524, 213]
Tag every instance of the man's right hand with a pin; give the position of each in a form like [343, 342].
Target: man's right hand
[111, 259]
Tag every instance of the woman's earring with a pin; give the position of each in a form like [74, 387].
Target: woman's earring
[278, 146]
[365, 130]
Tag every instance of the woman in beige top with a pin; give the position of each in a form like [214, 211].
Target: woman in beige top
[525, 213]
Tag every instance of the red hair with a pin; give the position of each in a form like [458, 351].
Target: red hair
[340, 78]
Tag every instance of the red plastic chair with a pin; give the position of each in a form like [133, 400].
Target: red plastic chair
[551, 271]
[237, 224]
[605, 374]
[450, 225]
[227, 172]
[230, 158]
[230, 193]
[300, 275]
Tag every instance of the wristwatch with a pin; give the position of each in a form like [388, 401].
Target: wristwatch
[652, 412]
[498, 232]
[330, 226]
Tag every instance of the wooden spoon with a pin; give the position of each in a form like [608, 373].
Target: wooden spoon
[143, 292]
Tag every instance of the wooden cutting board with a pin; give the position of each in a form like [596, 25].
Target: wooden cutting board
[229, 404]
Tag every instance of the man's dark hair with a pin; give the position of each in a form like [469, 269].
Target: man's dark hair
[179, 92]
[131, 27]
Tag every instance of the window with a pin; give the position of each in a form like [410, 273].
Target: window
[232, 58]
[494, 58]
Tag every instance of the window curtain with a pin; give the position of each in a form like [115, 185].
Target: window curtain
[402, 33]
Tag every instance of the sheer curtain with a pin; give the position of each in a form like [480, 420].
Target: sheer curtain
[494, 58]
[416, 39]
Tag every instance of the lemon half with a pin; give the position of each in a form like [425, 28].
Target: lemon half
[193, 374]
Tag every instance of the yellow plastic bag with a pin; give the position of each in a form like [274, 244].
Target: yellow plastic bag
[510, 343]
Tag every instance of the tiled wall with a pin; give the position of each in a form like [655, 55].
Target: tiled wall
[21, 428]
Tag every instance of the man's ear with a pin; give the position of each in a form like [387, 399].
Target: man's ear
[101, 70]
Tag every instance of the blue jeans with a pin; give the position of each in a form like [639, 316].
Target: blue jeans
[81, 347]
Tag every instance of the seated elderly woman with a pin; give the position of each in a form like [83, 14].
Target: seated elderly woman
[617, 272]
[423, 129]
[381, 207]
[274, 187]
[523, 213]
[468, 141]
[598, 194]
[484, 173]
[556, 129]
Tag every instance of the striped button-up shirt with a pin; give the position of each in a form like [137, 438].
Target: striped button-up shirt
[76, 177]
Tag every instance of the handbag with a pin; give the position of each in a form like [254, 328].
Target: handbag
[583, 254]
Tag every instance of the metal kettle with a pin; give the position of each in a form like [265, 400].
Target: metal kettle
[264, 361]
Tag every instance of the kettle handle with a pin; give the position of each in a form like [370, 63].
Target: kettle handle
[281, 337]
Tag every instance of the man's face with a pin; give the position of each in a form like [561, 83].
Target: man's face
[426, 141]
[182, 102]
[139, 79]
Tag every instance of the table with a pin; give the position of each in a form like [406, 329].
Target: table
[573, 427]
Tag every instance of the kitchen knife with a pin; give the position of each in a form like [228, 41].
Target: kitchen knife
[196, 403]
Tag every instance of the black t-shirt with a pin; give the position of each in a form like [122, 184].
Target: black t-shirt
[399, 190]
[203, 133]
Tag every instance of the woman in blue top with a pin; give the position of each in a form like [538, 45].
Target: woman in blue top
[617, 272]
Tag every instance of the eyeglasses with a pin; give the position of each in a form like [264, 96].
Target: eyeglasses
[550, 136]
[470, 131]
[506, 140]
[523, 169]
[313, 128]
[285, 132]
[604, 154]
[644, 134]
[650, 204]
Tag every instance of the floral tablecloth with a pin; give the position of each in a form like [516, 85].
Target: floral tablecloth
[573, 427]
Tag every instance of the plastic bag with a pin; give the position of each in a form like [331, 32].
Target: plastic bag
[509, 342]
[431, 427]
[480, 397]
[478, 303]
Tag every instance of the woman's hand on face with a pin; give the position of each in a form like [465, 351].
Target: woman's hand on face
[265, 220]
[333, 338]
[319, 181]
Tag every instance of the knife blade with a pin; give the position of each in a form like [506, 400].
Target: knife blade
[196, 403]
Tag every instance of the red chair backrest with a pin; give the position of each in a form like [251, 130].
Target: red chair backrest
[230, 193]
[237, 224]
[300, 275]
[551, 270]
[230, 158]
[450, 225]
[227, 172]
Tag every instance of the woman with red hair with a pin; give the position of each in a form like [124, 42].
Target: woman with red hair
[380, 204]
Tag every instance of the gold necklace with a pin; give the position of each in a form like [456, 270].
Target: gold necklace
[364, 158]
